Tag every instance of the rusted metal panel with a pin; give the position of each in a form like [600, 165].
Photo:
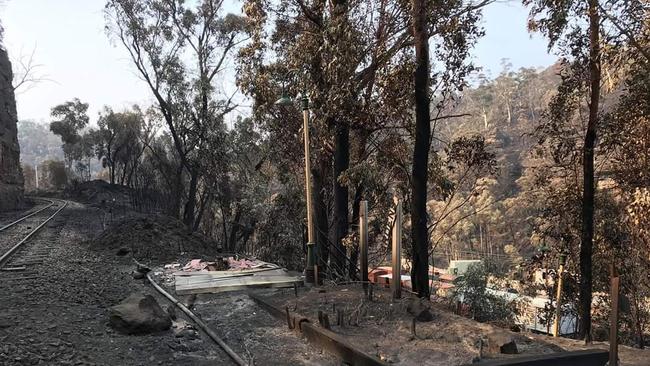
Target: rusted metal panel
[576, 358]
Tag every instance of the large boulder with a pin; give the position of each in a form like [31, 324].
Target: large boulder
[139, 314]
[501, 342]
[11, 175]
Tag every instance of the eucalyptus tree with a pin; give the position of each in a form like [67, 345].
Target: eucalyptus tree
[593, 38]
[69, 120]
[118, 137]
[180, 49]
[354, 59]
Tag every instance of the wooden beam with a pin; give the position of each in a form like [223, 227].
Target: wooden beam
[613, 326]
[396, 281]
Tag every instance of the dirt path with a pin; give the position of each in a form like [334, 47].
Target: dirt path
[61, 315]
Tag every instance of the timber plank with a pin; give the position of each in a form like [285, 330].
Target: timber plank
[266, 271]
[197, 285]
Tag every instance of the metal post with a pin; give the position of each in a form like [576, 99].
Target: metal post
[395, 284]
[613, 326]
[363, 241]
[309, 269]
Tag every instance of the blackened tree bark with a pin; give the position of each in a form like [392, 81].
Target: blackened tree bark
[354, 255]
[320, 211]
[586, 248]
[341, 164]
[420, 243]
[362, 138]
[235, 227]
[190, 205]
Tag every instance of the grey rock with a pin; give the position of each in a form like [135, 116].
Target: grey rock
[171, 311]
[123, 251]
[186, 333]
[501, 342]
[139, 314]
[421, 309]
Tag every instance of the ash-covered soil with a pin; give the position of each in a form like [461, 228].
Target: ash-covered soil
[61, 316]
[29, 205]
[383, 327]
[154, 239]
[98, 192]
[253, 333]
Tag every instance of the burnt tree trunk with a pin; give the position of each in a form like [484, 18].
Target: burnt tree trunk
[234, 229]
[341, 164]
[586, 247]
[176, 187]
[362, 137]
[190, 205]
[420, 240]
[320, 213]
[354, 256]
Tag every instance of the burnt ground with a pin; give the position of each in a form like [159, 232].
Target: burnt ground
[61, 316]
[383, 328]
[29, 206]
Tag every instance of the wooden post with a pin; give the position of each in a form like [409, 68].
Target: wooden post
[558, 302]
[310, 268]
[613, 326]
[363, 241]
[396, 284]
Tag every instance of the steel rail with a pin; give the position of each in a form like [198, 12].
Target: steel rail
[7, 254]
[28, 216]
[232, 354]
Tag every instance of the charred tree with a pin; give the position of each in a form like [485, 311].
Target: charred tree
[341, 164]
[419, 176]
[588, 195]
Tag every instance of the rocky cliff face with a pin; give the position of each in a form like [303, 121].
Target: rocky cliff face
[11, 175]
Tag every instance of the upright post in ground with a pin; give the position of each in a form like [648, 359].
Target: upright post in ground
[613, 326]
[363, 241]
[558, 300]
[310, 272]
[395, 283]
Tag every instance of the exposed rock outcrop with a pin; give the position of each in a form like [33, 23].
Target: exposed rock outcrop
[11, 175]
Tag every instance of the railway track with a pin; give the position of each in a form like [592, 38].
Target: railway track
[18, 259]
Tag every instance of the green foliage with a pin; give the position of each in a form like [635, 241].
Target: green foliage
[181, 50]
[281, 232]
[120, 142]
[472, 290]
[69, 119]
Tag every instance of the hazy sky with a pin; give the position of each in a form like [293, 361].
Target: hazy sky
[71, 45]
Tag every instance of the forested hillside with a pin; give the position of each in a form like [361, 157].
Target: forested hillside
[37, 143]
[504, 111]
